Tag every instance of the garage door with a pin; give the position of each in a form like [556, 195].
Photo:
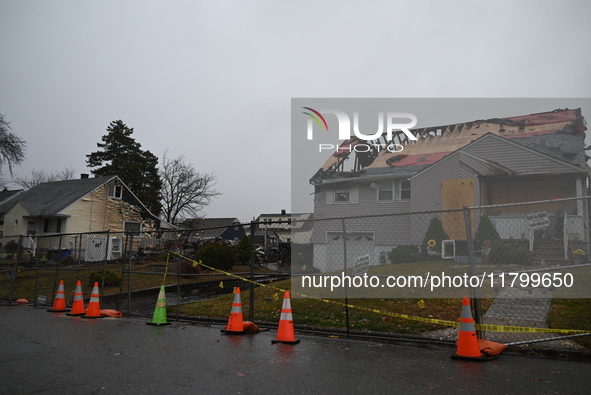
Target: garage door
[358, 244]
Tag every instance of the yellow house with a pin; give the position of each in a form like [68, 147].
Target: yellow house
[76, 206]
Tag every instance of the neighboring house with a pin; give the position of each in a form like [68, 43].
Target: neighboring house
[278, 227]
[278, 232]
[76, 206]
[5, 197]
[485, 162]
[210, 229]
[302, 228]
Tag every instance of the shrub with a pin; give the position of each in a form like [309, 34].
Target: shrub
[185, 267]
[510, 253]
[243, 250]
[404, 254]
[486, 231]
[434, 232]
[69, 260]
[302, 255]
[218, 256]
[112, 279]
[11, 247]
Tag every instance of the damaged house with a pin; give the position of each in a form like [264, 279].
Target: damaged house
[485, 162]
[74, 206]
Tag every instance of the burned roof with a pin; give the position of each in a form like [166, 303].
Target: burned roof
[558, 133]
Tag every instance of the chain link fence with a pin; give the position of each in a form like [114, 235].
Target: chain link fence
[400, 274]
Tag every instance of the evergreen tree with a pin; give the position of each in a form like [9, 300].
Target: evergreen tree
[435, 235]
[486, 231]
[120, 155]
[243, 249]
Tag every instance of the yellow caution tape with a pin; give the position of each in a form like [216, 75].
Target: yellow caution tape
[480, 327]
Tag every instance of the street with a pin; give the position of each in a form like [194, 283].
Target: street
[52, 353]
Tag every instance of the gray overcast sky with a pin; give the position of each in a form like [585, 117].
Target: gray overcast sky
[212, 80]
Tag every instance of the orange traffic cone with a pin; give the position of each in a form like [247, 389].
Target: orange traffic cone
[59, 304]
[78, 303]
[285, 332]
[467, 344]
[94, 306]
[235, 323]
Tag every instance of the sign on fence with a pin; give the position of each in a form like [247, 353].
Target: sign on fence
[538, 220]
[361, 265]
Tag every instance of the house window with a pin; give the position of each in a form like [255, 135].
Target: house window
[115, 191]
[342, 195]
[385, 191]
[52, 225]
[405, 190]
[132, 227]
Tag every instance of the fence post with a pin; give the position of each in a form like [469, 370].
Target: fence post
[123, 252]
[251, 305]
[585, 214]
[36, 296]
[57, 268]
[178, 287]
[105, 260]
[15, 268]
[130, 269]
[474, 294]
[78, 254]
[345, 271]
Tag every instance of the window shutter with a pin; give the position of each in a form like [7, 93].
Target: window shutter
[354, 194]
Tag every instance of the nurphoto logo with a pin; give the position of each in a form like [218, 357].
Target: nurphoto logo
[391, 122]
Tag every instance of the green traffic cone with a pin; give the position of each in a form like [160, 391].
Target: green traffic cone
[159, 318]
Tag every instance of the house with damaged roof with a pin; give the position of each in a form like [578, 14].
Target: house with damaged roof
[76, 206]
[484, 162]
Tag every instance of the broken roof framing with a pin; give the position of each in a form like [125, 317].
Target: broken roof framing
[435, 143]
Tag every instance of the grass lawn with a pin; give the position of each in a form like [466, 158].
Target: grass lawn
[568, 312]
[572, 314]
[30, 281]
[331, 313]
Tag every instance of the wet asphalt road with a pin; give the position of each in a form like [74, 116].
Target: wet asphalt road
[50, 353]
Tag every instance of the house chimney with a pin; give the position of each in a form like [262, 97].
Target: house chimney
[283, 212]
[83, 175]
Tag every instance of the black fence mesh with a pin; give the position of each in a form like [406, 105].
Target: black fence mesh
[520, 258]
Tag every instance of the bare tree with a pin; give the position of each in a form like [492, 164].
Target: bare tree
[185, 191]
[40, 176]
[12, 147]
